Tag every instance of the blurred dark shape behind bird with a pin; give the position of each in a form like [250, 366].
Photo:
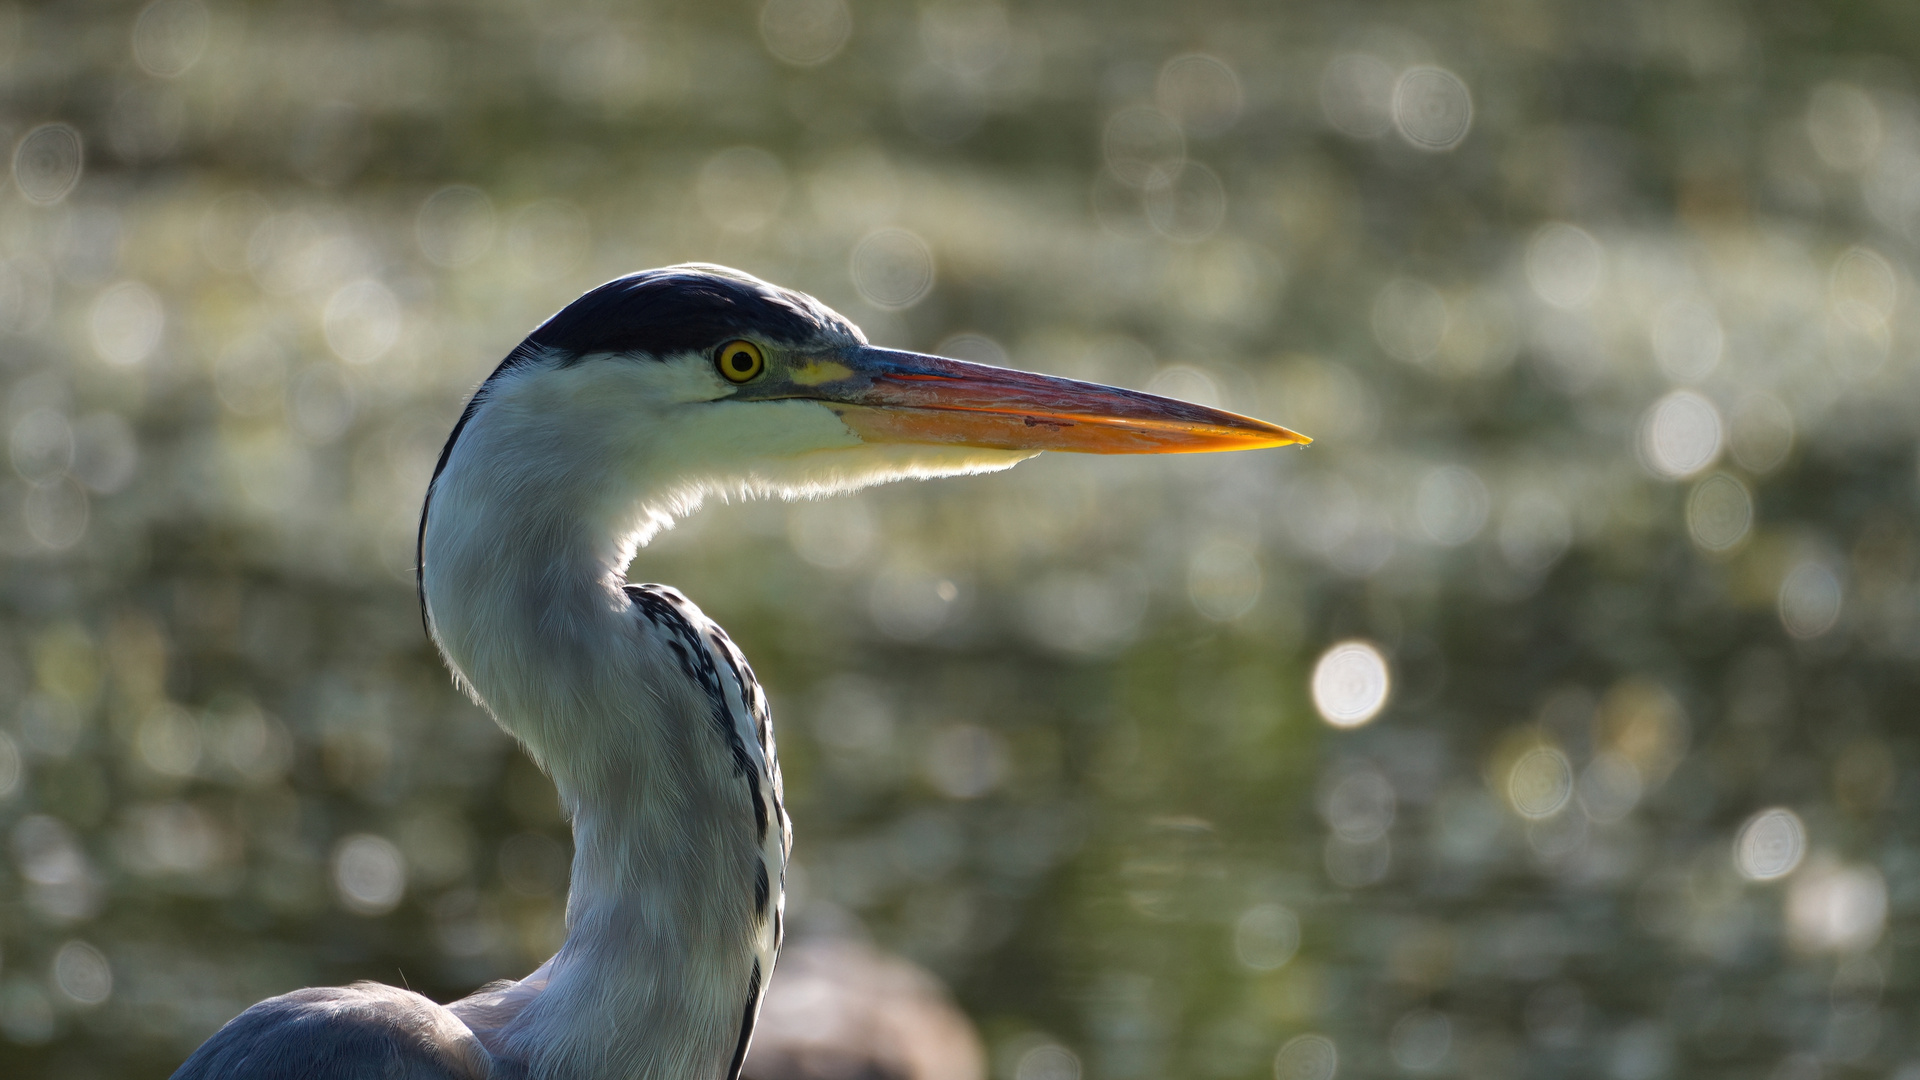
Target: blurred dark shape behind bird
[843, 1010]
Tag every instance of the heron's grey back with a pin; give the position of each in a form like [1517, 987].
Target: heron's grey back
[362, 1032]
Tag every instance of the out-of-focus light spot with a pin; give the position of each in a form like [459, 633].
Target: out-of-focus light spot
[909, 603]
[1559, 839]
[1230, 281]
[57, 514]
[227, 226]
[26, 1016]
[292, 253]
[438, 845]
[169, 741]
[321, 403]
[1770, 845]
[1093, 614]
[41, 445]
[1326, 397]
[853, 715]
[1836, 908]
[1201, 92]
[254, 745]
[1223, 580]
[1420, 1041]
[455, 226]
[1225, 281]
[1540, 783]
[1143, 145]
[26, 294]
[1350, 683]
[12, 769]
[548, 239]
[1187, 383]
[250, 375]
[362, 321]
[61, 882]
[1810, 599]
[50, 724]
[105, 455]
[1328, 513]
[1857, 344]
[926, 845]
[1762, 433]
[966, 761]
[170, 36]
[1119, 207]
[47, 163]
[969, 38]
[1187, 203]
[1680, 435]
[1641, 1051]
[892, 268]
[1481, 336]
[1844, 125]
[1451, 504]
[1356, 864]
[1409, 320]
[977, 348]
[1432, 108]
[805, 32]
[1266, 936]
[1858, 978]
[1863, 289]
[1565, 265]
[1360, 806]
[369, 874]
[1610, 788]
[832, 535]
[1048, 1062]
[742, 188]
[125, 322]
[176, 838]
[1307, 1057]
[1356, 95]
[1643, 723]
[1719, 512]
[1467, 822]
[1535, 530]
[1687, 340]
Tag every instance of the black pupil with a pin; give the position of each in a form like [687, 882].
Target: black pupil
[743, 361]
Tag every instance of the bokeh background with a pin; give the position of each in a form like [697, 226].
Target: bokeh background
[1552, 715]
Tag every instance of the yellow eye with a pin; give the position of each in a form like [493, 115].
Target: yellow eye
[741, 360]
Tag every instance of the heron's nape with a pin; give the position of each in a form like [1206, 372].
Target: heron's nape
[614, 417]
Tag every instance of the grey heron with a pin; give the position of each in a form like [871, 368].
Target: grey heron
[614, 417]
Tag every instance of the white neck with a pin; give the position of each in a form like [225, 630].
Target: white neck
[523, 576]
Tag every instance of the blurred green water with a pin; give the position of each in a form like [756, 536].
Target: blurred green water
[1602, 317]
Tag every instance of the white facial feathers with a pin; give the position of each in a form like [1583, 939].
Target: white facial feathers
[638, 443]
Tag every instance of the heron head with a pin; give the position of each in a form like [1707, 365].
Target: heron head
[656, 389]
[725, 382]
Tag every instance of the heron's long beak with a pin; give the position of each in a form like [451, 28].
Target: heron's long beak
[900, 397]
